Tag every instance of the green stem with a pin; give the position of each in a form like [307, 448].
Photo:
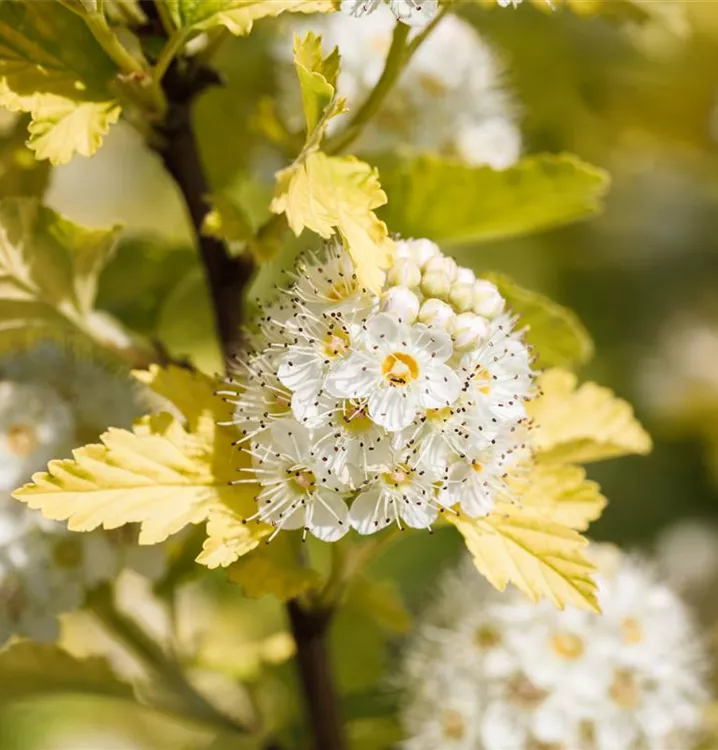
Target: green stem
[154, 659]
[97, 23]
[399, 55]
[170, 50]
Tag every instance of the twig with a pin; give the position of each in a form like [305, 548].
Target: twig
[153, 658]
[310, 629]
[399, 55]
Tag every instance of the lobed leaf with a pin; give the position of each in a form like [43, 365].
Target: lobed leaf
[275, 569]
[49, 270]
[562, 494]
[449, 201]
[558, 336]
[542, 558]
[323, 194]
[238, 16]
[584, 423]
[162, 475]
[52, 67]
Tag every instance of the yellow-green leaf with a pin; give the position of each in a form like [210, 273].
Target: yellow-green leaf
[540, 557]
[448, 200]
[39, 671]
[576, 424]
[49, 270]
[229, 537]
[380, 600]
[52, 67]
[317, 80]
[238, 16]
[558, 336]
[162, 475]
[275, 569]
[562, 494]
[21, 174]
[323, 194]
[228, 221]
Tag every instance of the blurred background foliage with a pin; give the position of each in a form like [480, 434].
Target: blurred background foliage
[640, 100]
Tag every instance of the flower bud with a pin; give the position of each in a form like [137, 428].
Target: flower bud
[487, 299]
[404, 273]
[442, 264]
[465, 276]
[435, 284]
[468, 330]
[402, 249]
[422, 251]
[434, 312]
[401, 302]
[461, 297]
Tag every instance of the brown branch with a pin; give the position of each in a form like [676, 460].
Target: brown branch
[227, 277]
[310, 630]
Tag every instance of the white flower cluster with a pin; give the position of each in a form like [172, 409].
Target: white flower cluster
[411, 12]
[50, 403]
[449, 98]
[497, 672]
[404, 405]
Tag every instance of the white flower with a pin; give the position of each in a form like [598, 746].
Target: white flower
[345, 405]
[36, 425]
[449, 99]
[350, 444]
[401, 493]
[52, 401]
[296, 490]
[412, 12]
[497, 672]
[399, 369]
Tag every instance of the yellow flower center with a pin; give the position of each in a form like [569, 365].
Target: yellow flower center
[303, 480]
[567, 645]
[525, 694]
[400, 369]
[482, 378]
[477, 467]
[439, 416]
[453, 725]
[356, 419]
[336, 343]
[624, 690]
[22, 439]
[401, 475]
[342, 289]
[631, 631]
[487, 637]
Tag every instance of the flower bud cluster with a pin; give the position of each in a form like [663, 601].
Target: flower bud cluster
[364, 410]
[424, 285]
[489, 671]
[51, 402]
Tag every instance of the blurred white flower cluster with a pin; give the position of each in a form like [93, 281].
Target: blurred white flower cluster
[449, 99]
[404, 405]
[494, 671]
[51, 402]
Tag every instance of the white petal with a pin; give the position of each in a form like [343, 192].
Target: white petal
[394, 408]
[440, 386]
[359, 8]
[434, 342]
[417, 514]
[329, 519]
[414, 12]
[299, 368]
[355, 377]
[291, 438]
[311, 408]
[366, 514]
[385, 331]
[476, 500]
